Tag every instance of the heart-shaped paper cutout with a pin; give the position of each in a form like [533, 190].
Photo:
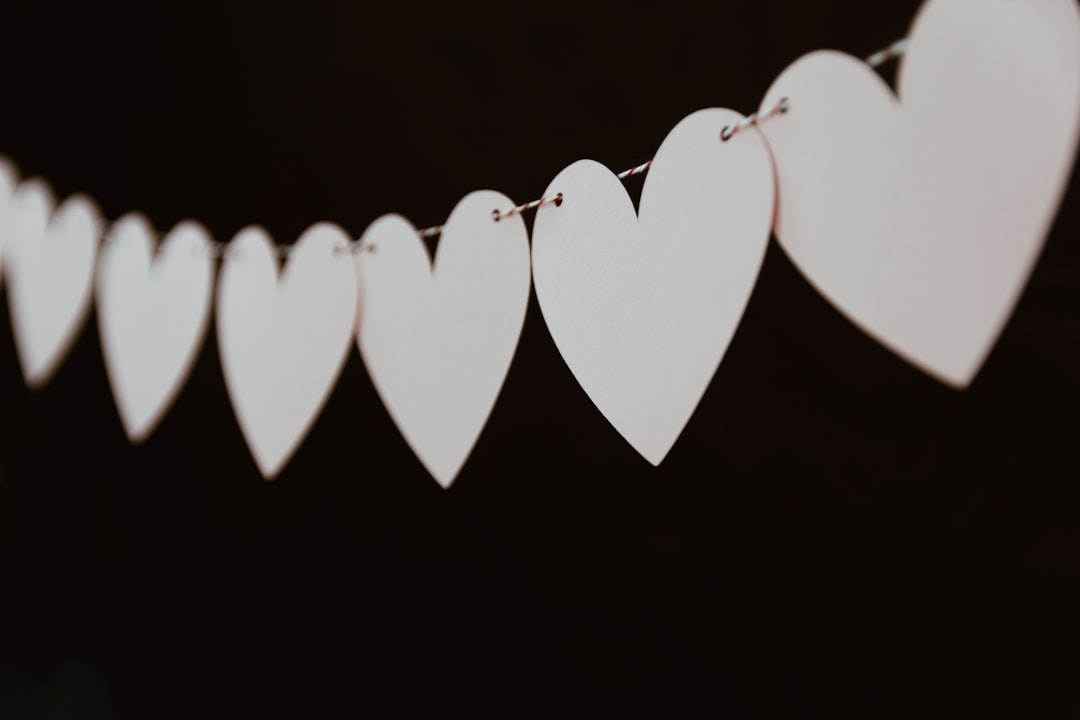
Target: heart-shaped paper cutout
[283, 341]
[438, 341]
[153, 312]
[643, 306]
[921, 218]
[9, 181]
[49, 266]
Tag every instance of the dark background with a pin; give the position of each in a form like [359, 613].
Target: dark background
[835, 532]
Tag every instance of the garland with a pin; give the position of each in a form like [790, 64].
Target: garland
[917, 218]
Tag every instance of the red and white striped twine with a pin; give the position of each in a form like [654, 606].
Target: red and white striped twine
[892, 52]
[639, 170]
[878, 59]
[728, 131]
[498, 215]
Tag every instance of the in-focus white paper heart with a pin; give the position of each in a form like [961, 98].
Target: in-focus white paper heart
[921, 218]
[49, 266]
[9, 180]
[153, 312]
[643, 306]
[438, 340]
[283, 341]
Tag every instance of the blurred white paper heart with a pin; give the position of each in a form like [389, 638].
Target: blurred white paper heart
[438, 340]
[643, 305]
[283, 341]
[9, 181]
[153, 312]
[921, 218]
[49, 266]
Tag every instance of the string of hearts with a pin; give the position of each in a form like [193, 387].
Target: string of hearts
[918, 214]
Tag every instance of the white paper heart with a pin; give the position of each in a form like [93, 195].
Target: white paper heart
[49, 267]
[283, 341]
[643, 307]
[438, 341]
[921, 218]
[9, 181]
[153, 313]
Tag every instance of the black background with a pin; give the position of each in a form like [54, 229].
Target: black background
[834, 532]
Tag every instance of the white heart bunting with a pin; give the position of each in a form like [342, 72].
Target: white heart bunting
[49, 266]
[920, 218]
[153, 312]
[283, 341]
[438, 340]
[643, 306]
[919, 215]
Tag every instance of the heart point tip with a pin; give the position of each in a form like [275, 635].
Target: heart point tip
[655, 457]
[270, 472]
[137, 436]
[958, 381]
